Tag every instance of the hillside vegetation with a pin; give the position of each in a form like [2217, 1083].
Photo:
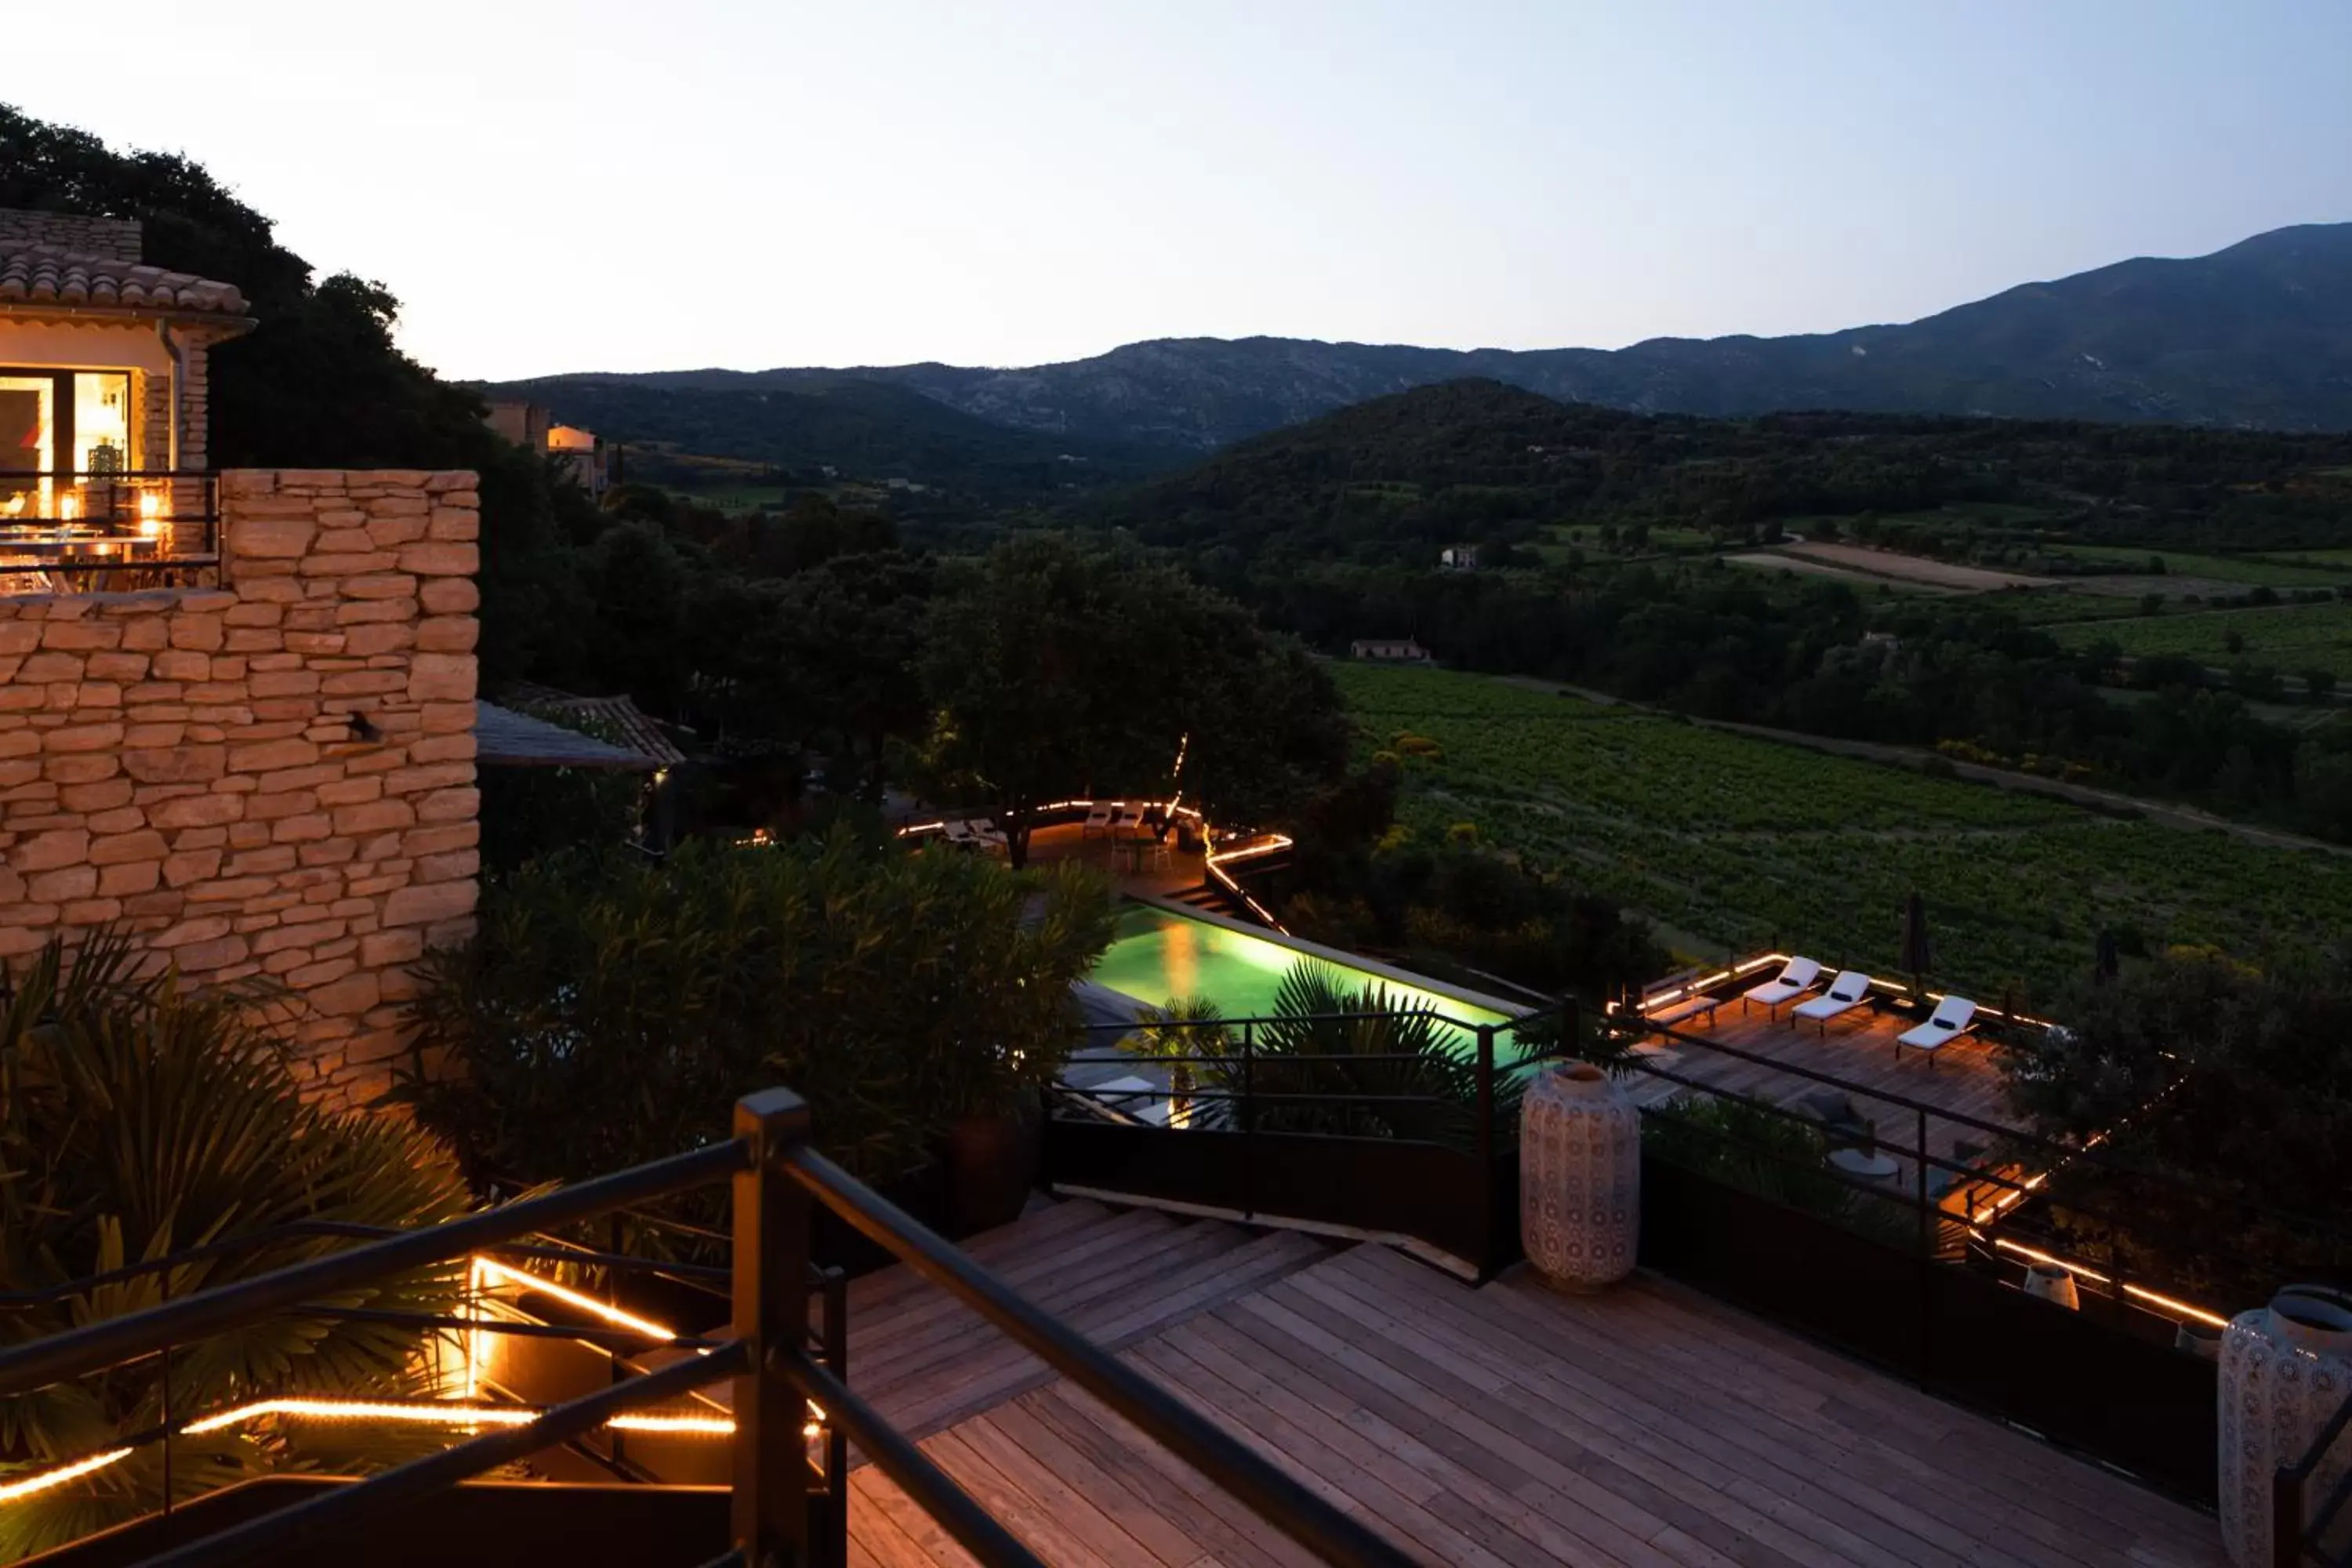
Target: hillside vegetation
[1733, 843]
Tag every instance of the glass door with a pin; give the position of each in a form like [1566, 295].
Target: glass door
[28, 445]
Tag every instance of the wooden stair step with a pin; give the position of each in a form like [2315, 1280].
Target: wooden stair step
[1047, 1275]
[1065, 1294]
[1003, 1369]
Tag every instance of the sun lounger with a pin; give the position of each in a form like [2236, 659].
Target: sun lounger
[1797, 976]
[1099, 818]
[1847, 992]
[974, 834]
[1954, 1016]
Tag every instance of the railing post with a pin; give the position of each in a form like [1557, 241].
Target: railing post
[1486, 1149]
[2286, 1518]
[1926, 1254]
[1249, 1118]
[771, 1513]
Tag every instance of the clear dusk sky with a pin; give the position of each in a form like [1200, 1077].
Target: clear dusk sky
[638, 184]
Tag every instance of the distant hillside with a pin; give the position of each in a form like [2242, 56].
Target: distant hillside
[1391, 480]
[2256, 336]
[866, 429]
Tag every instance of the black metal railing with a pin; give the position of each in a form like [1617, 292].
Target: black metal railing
[786, 1507]
[2301, 1535]
[121, 528]
[1411, 1144]
[1936, 1220]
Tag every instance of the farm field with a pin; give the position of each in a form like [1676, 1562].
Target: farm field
[1740, 841]
[2326, 560]
[2252, 570]
[1768, 562]
[2288, 637]
[1914, 568]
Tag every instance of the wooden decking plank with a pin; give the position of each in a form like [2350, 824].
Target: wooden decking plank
[1800, 1464]
[2092, 1495]
[874, 1296]
[1056, 1463]
[1229, 1529]
[1921, 1480]
[997, 1372]
[1066, 1543]
[1903, 1459]
[965, 1376]
[1351, 1472]
[1100, 1523]
[1476, 1467]
[875, 1496]
[1713, 1465]
[1484, 1433]
[1078, 1257]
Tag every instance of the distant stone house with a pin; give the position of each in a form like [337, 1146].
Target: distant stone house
[1400, 650]
[237, 709]
[579, 454]
[1459, 558]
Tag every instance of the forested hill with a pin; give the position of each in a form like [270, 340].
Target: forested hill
[861, 428]
[2256, 336]
[1395, 479]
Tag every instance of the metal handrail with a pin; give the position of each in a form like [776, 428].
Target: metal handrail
[304, 1524]
[2292, 1539]
[776, 1178]
[111, 1341]
[1268, 1490]
[2073, 1154]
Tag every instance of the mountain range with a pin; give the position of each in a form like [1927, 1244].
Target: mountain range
[2256, 336]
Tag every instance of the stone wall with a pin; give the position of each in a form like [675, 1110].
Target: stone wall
[115, 238]
[273, 778]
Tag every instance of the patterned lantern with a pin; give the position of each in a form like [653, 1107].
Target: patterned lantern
[2285, 1368]
[1580, 1178]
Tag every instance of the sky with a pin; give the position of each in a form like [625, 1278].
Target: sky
[644, 185]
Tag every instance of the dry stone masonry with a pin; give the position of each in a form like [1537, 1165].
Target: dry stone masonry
[273, 778]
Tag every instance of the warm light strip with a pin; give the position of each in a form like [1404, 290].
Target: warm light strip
[2200, 1313]
[500, 1274]
[11, 1491]
[432, 1413]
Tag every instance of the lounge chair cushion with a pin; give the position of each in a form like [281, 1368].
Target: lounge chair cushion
[1797, 976]
[1952, 1017]
[1848, 990]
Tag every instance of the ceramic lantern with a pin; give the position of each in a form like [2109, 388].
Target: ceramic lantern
[1580, 1178]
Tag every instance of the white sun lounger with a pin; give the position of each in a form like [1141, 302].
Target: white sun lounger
[1797, 976]
[1098, 819]
[1954, 1016]
[1848, 991]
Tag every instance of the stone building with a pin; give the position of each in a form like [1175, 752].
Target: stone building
[237, 709]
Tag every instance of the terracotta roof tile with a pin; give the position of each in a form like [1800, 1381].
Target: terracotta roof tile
[46, 275]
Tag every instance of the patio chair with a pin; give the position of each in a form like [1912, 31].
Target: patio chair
[1797, 976]
[1954, 1016]
[1099, 818]
[1847, 992]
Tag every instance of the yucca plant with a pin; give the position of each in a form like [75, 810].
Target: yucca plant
[1177, 1033]
[139, 1117]
[1365, 1063]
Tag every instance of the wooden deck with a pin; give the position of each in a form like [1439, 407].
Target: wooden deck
[1506, 1424]
[1963, 1078]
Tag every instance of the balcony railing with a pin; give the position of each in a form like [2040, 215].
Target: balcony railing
[788, 1498]
[64, 531]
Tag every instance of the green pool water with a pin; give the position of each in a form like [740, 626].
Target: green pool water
[1158, 954]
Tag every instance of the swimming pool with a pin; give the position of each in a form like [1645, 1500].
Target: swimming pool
[1160, 954]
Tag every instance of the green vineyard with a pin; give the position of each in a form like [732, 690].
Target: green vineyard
[1730, 842]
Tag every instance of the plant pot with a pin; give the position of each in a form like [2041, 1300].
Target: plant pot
[992, 1160]
[2053, 1284]
[1580, 1178]
[2202, 1340]
[2286, 1369]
